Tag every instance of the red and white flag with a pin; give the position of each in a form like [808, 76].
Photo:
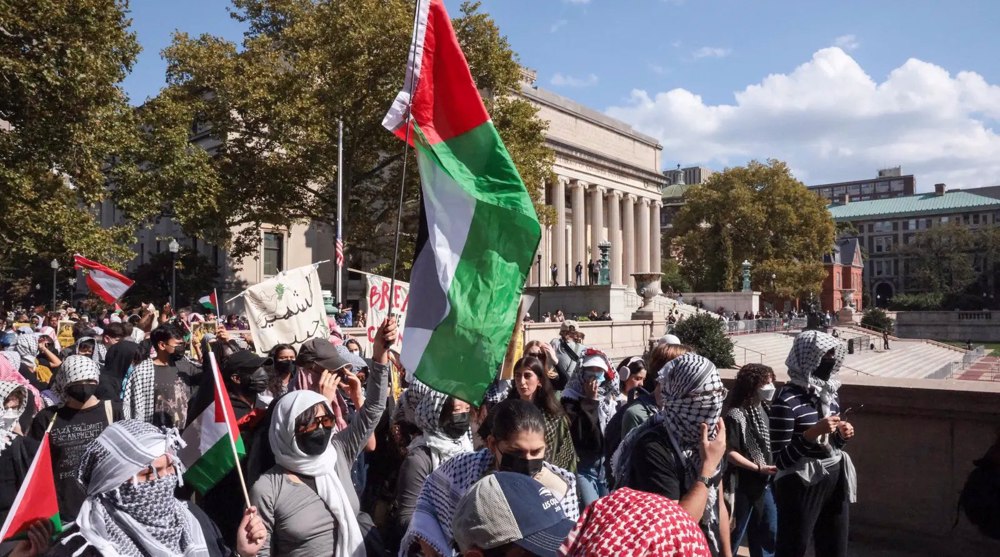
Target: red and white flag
[340, 252]
[107, 284]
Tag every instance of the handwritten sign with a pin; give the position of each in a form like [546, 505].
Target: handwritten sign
[286, 309]
[378, 304]
[65, 333]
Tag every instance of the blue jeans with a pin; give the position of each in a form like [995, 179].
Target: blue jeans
[590, 481]
[758, 520]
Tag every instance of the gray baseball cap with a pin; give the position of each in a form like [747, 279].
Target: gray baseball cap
[320, 350]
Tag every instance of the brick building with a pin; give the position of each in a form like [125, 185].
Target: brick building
[844, 275]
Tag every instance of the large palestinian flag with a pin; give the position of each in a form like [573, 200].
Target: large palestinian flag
[478, 227]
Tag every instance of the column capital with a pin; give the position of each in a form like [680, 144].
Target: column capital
[600, 189]
[630, 197]
[574, 183]
[562, 180]
[616, 194]
[645, 201]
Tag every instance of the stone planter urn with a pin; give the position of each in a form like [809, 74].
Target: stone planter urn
[648, 285]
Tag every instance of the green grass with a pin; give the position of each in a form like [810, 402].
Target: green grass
[992, 348]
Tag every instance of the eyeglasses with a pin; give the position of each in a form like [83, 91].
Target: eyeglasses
[325, 421]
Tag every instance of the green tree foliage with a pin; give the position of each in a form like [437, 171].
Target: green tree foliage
[63, 116]
[761, 213]
[273, 105]
[878, 319]
[916, 302]
[673, 279]
[941, 259]
[708, 337]
[195, 276]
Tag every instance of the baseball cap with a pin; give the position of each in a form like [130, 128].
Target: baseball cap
[356, 362]
[668, 339]
[568, 325]
[320, 350]
[244, 359]
[506, 507]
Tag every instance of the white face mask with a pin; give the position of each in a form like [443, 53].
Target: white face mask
[766, 392]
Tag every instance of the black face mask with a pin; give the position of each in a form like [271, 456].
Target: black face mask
[825, 369]
[178, 353]
[285, 367]
[457, 426]
[255, 382]
[520, 465]
[315, 442]
[81, 392]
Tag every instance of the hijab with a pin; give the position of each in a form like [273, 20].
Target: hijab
[10, 418]
[74, 368]
[9, 372]
[427, 417]
[27, 349]
[119, 358]
[322, 467]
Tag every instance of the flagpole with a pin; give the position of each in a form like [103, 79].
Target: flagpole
[340, 205]
[406, 152]
[218, 310]
[223, 395]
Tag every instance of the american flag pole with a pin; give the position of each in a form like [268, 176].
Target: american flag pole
[340, 204]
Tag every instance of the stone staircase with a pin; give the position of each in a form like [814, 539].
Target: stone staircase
[664, 305]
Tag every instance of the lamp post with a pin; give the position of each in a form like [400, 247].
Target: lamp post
[72, 288]
[538, 261]
[174, 247]
[55, 269]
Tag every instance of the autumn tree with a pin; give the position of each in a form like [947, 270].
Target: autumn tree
[760, 213]
[273, 104]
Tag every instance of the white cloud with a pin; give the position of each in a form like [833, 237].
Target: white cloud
[658, 69]
[559, 24]
[712, 52]
[832, 121]
[560, 80]
[847, 42]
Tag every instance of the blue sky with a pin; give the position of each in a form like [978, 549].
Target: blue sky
[836, 89]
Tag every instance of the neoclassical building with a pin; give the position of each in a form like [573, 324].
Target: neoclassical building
[607, 187]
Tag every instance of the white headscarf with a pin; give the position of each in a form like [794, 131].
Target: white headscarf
[322, 468]
[428, 419]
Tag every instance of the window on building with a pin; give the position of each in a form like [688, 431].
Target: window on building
[975, 218]
[854, 190]
[273, 253]
[867, 189]
[944, 220]
[897, 185]
[882, 187]
[883, 244]
[826, 192]
[883, 226]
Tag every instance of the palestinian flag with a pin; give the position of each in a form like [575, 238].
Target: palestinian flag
[106, 283]
[213, 440]
[210, 301]
[36, 500]
[478, 227]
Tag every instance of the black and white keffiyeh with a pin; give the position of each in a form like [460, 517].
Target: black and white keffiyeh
[807, 352]
[139, 391]
[691, 394]
[755, 432]
[74, 368]
[10, 417]
[428, 418]
[607, 393]
[123, 517]
[435, 508]
[27, 350]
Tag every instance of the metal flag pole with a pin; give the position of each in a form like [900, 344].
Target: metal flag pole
[406, 152]
[340, 205]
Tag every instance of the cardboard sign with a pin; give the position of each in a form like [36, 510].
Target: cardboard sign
[65, 333]
[378, 304]
[198, 331]
[286, 309]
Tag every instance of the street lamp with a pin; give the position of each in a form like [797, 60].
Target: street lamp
[55, 269]
[174, 247]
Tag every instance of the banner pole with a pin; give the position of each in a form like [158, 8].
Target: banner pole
[340, 205]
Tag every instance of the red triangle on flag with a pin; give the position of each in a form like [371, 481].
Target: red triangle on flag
[36, 500]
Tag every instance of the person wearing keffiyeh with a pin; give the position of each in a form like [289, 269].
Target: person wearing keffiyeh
[816, 481]
[678, 452]
[590, 401]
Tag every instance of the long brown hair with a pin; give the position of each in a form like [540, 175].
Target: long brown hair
[544, 397]
[547, 361]
[658, 357]
[750, 378]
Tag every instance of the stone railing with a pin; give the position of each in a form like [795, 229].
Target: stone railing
[962, 326]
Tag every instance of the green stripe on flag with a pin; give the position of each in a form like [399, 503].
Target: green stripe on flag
[213, 465]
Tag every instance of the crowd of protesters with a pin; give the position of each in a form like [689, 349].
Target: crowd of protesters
[347, 455]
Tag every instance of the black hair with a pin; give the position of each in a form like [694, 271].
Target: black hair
[513, 416]
[127, 328]
[81, 329]
[164, 333]
[278, 348]
[447, 411]
[115, 330]
[307, 416]
[544, 397]
[354, 340]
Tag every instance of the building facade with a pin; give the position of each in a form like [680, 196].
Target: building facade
[607, 188]
[889, 183]
[884, 225]
[844, 282]
[679, 181]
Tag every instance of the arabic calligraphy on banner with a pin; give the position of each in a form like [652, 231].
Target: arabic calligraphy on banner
[286, 309]
[378, 304]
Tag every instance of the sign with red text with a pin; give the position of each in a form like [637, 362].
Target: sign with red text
[378, 304]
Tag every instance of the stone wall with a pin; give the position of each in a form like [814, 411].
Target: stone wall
[730, 301]
[977, 326]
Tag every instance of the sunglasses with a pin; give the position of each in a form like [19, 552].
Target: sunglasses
[535, 354]
[326, 422]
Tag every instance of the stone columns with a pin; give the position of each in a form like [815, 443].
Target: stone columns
[559, 232]
[579, 229]
[655, 262]
[628, 229]
[642, 257]
[596, 221]
[615, 236]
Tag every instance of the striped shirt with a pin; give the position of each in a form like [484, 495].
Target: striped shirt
[792, 413]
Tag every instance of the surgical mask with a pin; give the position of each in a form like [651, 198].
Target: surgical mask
[766, 392]
[9, 418]
[825, 369]
[457, 426]
[315, 442]
[284, 367]
[81, 392]
[255, 382]
[520, 465]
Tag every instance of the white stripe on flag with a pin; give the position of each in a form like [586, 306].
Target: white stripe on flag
[109, 284]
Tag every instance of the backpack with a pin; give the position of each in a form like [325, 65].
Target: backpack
[980, 497]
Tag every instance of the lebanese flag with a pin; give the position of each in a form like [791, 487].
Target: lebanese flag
[478, 228]
[213, 439]
[36, 500]
[109, 285]
[210, 301]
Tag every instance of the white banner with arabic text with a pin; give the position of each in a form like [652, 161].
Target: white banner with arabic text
[287, 308]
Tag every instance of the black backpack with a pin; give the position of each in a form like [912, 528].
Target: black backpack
[980, 497]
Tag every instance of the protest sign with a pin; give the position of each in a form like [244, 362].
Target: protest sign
[198, 331]
[378, 304]
[286, 309]
[65, 333]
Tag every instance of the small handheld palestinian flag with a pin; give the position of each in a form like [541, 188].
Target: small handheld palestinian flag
[36, 500]
[210, 301]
